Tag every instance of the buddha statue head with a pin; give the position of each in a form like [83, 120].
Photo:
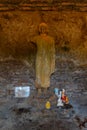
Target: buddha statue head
[43, 28]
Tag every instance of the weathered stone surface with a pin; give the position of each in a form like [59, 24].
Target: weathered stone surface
[68, 29]
[43, 1]
[17, 64]
[68, 75]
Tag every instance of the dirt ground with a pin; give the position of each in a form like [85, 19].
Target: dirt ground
[30, 113]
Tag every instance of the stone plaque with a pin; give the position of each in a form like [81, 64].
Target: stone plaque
[22, 92]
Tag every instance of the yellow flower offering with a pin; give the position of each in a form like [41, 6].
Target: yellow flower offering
[48, 105]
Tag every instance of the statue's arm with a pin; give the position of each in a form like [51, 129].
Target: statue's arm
[53, 55]
[33, 41]
[53, 49]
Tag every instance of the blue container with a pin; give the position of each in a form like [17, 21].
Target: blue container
[56, 91]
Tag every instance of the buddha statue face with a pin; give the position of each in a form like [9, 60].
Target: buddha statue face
[43, 28]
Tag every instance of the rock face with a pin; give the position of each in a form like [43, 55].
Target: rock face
[46, 1]
[30, 113]
[67, 27]
[67, 22]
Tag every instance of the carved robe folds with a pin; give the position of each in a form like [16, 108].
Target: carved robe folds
[45, 59]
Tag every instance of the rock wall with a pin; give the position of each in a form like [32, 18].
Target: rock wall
[42, 1]
[69, 29]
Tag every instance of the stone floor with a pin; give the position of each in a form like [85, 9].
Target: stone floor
[30, 113]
